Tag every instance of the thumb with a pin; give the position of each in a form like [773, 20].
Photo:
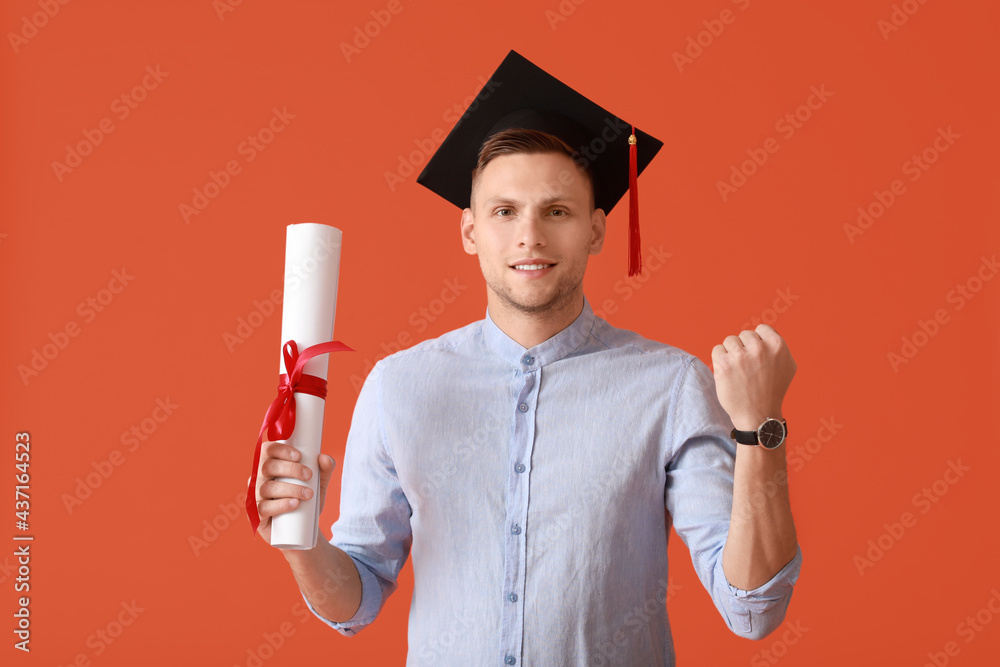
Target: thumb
[326, 466]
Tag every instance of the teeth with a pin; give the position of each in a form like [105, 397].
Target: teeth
[531, 267]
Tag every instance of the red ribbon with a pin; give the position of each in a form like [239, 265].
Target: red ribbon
[279, 422]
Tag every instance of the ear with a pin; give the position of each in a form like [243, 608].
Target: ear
[468, 232]
[598, 223]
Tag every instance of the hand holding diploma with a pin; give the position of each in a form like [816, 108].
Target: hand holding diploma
[275, 497]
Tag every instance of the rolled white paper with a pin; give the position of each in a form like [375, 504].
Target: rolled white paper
[312, 267]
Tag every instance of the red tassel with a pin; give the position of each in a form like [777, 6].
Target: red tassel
[634, 245]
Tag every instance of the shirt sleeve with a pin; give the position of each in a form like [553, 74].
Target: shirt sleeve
[374, 523]
[699, 497]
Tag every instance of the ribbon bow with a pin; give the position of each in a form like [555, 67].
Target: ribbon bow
[279, 421]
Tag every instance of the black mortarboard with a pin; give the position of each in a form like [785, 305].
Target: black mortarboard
[520, 94]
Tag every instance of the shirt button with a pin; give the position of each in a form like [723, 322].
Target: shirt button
[523, 407]
[510, 660]
[519, 467]
[528, 360]
[516, 529]
[512, 597]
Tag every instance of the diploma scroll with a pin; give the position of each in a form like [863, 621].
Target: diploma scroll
[312, 267]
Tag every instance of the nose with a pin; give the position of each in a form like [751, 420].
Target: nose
[531, 232]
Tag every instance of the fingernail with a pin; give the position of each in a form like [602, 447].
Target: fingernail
[307, 494]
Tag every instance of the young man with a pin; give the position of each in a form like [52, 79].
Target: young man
[532, 462]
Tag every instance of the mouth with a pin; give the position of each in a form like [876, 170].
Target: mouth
[531, 269]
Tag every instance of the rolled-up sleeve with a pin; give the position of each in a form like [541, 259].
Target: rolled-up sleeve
[699, 497]
[374, 523]
[755, 614]
[371, 604]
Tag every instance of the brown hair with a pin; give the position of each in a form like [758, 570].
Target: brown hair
[520, 141]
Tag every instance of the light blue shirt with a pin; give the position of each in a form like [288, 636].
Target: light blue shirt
[529, 486]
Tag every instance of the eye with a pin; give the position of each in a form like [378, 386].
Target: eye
[505, 212]
[558, 213]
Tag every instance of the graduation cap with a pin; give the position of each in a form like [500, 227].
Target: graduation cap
[521, 95]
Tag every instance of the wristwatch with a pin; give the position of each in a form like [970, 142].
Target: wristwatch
[770, 434]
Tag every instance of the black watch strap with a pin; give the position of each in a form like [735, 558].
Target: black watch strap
[750, 437]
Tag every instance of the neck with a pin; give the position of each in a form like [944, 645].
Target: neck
[528, 329]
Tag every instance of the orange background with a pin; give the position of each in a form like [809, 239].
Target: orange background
[163, 336]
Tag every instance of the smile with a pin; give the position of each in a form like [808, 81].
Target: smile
[532, 267]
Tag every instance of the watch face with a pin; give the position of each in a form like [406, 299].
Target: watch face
[771, 434]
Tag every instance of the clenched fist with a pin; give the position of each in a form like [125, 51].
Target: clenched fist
[752, 374]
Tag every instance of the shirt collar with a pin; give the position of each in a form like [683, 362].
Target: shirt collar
[553, 349]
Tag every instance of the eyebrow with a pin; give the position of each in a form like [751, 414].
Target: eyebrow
[492, 201]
